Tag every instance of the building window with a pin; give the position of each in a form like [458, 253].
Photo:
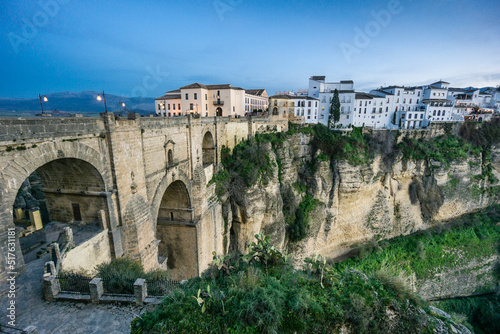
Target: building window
[206, 106]
[233, 109]
[218, 93]
[159, 107]
[179, 106]
[173, 105]
[196, 96]
[169, 106]
[187, 96]
[206, 97]
[191, 107]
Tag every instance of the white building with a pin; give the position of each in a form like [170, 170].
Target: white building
[438, 107]
[374, 110]
[324, 91]
[169, 105]
[256, 100]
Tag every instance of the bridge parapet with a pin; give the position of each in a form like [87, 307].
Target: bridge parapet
[14, 129]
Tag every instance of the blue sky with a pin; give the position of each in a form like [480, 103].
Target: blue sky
[144, 48]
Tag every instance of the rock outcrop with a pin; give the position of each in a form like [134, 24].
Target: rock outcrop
[356, 204]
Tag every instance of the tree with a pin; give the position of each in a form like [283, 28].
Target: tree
[334, 115]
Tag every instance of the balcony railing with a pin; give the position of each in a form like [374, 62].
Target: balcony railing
[218, 103]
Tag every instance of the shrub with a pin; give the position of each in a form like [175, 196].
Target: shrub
[120, 274]
[297, 230]
[282, 300]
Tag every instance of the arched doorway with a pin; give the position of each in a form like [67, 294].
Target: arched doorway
[208, 148]
[275, 111]
[218, 111]
[60, 192]
[177, 232]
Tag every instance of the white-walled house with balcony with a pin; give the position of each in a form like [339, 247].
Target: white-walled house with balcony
[324, 91]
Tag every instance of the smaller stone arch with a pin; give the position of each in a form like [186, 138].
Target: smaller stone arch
[208, 148]
[177, 232]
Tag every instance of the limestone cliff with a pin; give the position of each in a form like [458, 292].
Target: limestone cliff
[356, 204]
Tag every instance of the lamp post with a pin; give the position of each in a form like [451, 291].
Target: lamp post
[44, 98]
[99, 98]
[121, 105]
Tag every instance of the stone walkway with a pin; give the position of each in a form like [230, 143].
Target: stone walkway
[62, 317]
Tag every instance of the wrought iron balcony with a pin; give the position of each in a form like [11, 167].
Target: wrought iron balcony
[218, 103]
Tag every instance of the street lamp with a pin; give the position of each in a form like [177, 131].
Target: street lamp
[121, 105]
[99, 98]
[42, 99]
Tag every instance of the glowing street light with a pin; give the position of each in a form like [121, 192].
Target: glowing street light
[99, 98]
[42, 99]
[121, 105]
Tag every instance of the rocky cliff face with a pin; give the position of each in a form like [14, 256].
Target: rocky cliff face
[356, 204]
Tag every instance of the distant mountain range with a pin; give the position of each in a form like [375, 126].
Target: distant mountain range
[76, 103]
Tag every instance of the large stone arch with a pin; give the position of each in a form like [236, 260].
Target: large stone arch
[17, 167]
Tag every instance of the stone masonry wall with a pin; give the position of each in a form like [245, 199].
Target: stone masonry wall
[86, 256]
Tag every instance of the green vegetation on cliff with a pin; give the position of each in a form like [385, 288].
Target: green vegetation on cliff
[299, 221]
[443, 149]
[261, 293]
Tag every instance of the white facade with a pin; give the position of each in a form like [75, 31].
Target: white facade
[169, 105]
[256, 99]
[374, 110]
[324, 91]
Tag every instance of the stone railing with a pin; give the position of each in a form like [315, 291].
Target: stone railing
[52, 291]
[93, 289]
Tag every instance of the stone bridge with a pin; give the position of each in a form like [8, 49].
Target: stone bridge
[144, 179]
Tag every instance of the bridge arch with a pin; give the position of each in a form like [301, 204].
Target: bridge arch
[65, 170]
[177, 232]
